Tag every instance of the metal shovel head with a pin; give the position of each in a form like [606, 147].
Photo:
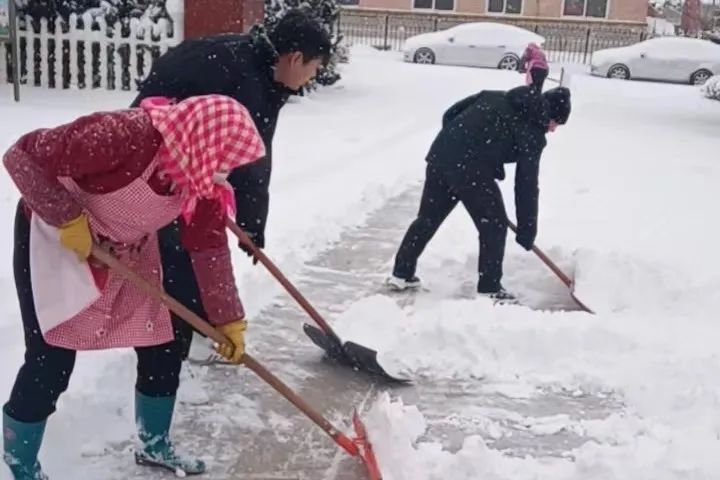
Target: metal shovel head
[365, 450]
[350, 353]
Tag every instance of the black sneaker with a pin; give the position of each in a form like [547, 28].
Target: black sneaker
[500, 295]
[401, 284]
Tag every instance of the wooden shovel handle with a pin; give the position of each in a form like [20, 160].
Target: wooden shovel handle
[275, 272]
[556, 270]
[546, 260]
[206, 329]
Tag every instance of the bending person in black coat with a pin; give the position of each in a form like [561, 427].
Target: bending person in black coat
[479, 135]
[260, 70]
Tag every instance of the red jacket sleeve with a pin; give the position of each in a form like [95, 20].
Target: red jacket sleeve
[90, 146]
[205, 238]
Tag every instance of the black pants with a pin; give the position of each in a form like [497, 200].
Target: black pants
[539, 75]
[46, 372]
[179, 282]
[483, 201]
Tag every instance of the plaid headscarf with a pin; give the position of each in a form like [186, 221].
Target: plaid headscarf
[202, 136]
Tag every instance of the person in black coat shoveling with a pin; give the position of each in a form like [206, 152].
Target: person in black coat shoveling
[479, 135]
[260, 70]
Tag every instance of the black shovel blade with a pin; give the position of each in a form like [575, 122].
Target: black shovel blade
[333, 349]
[350, 353]
[366, 359]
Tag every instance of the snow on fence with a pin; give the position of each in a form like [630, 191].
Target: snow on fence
[85, 52]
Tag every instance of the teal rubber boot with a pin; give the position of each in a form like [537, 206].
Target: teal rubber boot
[153, 416]
[21, 446]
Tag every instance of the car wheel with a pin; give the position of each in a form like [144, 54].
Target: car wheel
[619, 72]
[700, 77]
[509, 62]
[424, 56]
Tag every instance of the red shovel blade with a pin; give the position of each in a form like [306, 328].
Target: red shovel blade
[365, 448]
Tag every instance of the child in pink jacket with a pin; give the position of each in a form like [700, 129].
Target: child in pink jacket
[534, 64]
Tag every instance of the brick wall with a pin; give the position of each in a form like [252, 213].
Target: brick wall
[209, 17]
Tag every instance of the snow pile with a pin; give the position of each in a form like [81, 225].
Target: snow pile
[711, 88]
[512, 344]
[643, 453]
[666, 380]
[402, 457]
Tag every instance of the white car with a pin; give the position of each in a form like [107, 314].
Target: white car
[482, 44]
[683, 60]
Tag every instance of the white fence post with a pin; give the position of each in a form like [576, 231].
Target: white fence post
[133, 51]
[147, 45]
[59, 38]
[87, 42]
[103, 67]
[44, 54]
[26, 63]
[176, 10]
[117, 58]
[73, 72]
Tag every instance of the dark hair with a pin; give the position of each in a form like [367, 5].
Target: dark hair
[559, 106]
[299, 31]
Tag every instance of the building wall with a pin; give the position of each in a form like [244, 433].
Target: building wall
[624, 10]
[548, 8]
[388, 4]
[470, 6]
[210, 17]
[633, 10]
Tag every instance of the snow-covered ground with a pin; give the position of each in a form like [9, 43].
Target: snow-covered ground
[626, 195]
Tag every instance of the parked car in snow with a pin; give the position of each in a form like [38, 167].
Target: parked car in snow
[685, 60]
[483, 44]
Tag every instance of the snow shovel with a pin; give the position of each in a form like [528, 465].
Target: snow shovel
[348, 353]
[357, 447]
[556, 270]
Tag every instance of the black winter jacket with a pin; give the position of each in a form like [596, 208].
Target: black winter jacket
[483, 132]
[239, 66]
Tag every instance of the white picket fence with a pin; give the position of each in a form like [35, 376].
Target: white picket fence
[76, 55]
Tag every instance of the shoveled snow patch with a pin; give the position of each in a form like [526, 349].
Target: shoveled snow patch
[653, 347]
[616, 282]
[626, 449]
[402, 455]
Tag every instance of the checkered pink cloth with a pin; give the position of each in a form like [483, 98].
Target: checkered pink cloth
[202, 136]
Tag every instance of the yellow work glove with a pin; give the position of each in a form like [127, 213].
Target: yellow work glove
[75, 235]
[235, 332]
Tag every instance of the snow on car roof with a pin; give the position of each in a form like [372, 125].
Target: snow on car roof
[688, 47]
[500, 28]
